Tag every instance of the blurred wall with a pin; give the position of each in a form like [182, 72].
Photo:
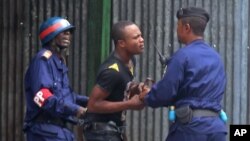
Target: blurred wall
[227, 31]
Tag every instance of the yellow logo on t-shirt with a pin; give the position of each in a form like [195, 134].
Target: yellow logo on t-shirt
[132, 70]
[114, 66]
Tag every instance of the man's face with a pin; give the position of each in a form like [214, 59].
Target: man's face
[180, 31]
[183, 31]
[133, 40]
[63, 39]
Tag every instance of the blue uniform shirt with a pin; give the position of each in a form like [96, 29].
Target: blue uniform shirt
[48, 71]
[194, 76]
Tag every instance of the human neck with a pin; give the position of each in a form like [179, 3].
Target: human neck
[193, 38]
[123, 56]
[60, 52]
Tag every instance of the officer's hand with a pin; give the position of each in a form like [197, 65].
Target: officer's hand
[81, 112]
[145, 88]
[144, 92]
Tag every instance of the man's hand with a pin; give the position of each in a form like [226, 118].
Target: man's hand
[136, 88]
[144, 92]
[136, 103]
[81, 112]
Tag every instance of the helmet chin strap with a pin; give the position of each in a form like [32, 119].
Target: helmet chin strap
[58, 48]
[61, 47]
[61, 51]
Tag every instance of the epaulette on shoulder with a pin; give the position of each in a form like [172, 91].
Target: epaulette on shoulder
[47, 54]
[114, 66]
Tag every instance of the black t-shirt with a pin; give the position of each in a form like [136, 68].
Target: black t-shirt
[113, 76]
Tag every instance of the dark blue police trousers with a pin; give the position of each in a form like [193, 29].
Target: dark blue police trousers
[48, 132]
[182, 136]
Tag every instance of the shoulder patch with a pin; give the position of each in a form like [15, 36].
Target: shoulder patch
[114, 66]
[131, 70]
[47, 54]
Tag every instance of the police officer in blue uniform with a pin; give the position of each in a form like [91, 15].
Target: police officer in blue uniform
[194, 82]
[50, 101]
[109, 98]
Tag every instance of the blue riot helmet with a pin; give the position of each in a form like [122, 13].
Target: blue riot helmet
[52, 27]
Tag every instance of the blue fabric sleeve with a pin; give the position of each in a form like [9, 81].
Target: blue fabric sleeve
[60, 107]
[43, 79]
[40, 75]
[164, 92]
[81, 100]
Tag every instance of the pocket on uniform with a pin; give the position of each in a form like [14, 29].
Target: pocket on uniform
[184, 114]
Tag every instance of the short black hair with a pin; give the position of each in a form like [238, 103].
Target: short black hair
[197, 24]
[117, 30]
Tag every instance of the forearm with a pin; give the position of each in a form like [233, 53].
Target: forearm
[50, 103]
[58, 107]
[108, 106]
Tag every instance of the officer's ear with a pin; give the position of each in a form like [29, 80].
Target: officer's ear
[52, 43]
[187, 27]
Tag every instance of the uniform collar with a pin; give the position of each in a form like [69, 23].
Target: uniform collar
[195, 41]
[59, 63]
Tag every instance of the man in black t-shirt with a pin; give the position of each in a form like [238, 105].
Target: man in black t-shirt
[108, 100]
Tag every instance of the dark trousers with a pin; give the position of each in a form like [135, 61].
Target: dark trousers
[102, 132]
[101, 136]
[48, 132]
[182, 136]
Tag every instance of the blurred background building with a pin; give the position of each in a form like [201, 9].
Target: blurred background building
[228, 32]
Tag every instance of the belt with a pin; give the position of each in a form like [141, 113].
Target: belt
[104, 126]
[185, 114]
[204, 113]
[55, 121]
